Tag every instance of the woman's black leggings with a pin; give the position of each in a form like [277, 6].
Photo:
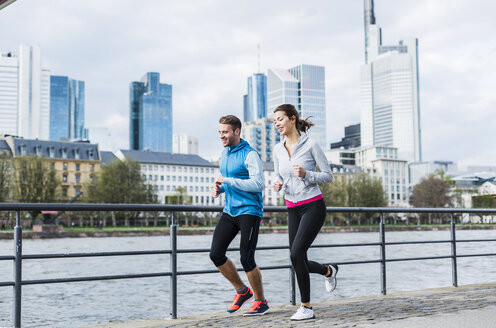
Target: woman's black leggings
[304, 223]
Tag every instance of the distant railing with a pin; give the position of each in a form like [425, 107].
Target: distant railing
[18, 257]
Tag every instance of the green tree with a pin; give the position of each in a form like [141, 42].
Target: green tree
[120, 182]
[181, 197]
[335, 195]
[34, 182]
[431, 192]
[361, 190]
[5, 178]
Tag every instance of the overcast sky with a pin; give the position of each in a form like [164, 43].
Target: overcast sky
[207, 49]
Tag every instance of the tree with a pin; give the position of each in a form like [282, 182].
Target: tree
[34, 182]
[335, 195]
[431, 192]
[361, 190]
[5, 178]
[180, 198]
[120, 182]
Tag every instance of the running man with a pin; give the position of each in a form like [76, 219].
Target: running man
[242, 182]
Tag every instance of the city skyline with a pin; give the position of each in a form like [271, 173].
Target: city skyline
[208, 63]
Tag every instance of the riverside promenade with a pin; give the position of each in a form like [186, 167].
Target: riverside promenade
[469, 306]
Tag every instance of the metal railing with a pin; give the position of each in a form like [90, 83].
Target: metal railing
[18, 257]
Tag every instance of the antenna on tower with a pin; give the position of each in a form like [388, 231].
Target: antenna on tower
[258, 55]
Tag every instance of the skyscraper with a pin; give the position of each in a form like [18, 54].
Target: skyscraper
[150, 114]
[255, 101]
[262, 135]
[390, 110]
[24, 94]
[302, 86]
[66, 108]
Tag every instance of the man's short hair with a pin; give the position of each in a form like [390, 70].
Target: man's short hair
[232, 120]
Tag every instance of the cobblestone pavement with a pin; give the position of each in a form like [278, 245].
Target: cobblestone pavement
[407, 309]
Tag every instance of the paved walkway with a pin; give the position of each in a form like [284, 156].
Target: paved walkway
[463, 307]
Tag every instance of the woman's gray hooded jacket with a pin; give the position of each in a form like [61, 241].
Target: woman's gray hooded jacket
[308, 155]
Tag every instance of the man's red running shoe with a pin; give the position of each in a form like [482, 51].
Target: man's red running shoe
[258, 308]
[239, 300]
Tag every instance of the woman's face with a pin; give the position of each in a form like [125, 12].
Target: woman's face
[283, 123]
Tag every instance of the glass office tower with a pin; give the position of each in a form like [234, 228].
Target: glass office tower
[304, 87]
[255, 101]
[389, 104]
[150, 114]
[67, 108]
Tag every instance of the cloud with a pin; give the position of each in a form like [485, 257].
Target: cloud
[207, 49]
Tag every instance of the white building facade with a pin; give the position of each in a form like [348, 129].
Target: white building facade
[389, 93]
[167, 171]
[24, 94]
[183, 143]
[384, 163]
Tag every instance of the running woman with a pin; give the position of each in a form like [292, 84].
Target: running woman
[242, 182]
[295, 161]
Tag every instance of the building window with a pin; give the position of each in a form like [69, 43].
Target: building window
[161, 178]
[190, 179]
[173, 178]
[155, 167]
[196, 170]
[150, 177]
[92, 167]
[179, 169]
[77, 166]
[64, 178]
[65, 166]
[196, 179]
[51, 152]
[168, 188]
[162, 188]
[77, 191]
[168, 178]
[78, 178]
[92, 178]
[144, 177]
[76, 153]
[173, 169]
[64, 192]
[52, 165]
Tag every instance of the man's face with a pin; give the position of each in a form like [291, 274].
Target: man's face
[227, 135]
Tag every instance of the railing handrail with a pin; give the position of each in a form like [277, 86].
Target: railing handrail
[17, 283]
[197, 208]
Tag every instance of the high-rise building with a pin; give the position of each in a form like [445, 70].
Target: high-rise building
[262, 136]
[67, 108]
[255, 101]
[150, 114]
[302, 86]
[183, 143]
[390, 110]
[24, 94]
[351, 138]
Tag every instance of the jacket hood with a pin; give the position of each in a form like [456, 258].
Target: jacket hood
[238, 147]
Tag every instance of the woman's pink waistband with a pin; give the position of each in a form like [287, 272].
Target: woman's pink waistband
[306, 201]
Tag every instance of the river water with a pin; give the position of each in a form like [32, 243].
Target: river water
[92, 303]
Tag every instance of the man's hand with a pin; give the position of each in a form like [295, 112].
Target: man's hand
[277, 186]
[215, 191]
[299, 171]
[219, 181]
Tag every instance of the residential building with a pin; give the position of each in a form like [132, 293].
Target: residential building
[389, 92]
[302, 86]
[262, 136]
[24, 94]
[255, 101]
[343, 172]
[351, 138]
[183, 143]
[75, 162]
[150, 114]
[385, 164]
[107, 157]
[270, 197]
[67, 109]
[166, 172]
[341, 156]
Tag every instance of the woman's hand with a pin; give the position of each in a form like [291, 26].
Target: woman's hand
[299, 171]
[277, 186]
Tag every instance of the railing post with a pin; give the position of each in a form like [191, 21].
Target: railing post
[454, 271]
[382, 233]
[292, 291]
[173, 266]
[17, 271]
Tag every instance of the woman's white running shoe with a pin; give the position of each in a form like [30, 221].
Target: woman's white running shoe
[330, 281]
[303, 313]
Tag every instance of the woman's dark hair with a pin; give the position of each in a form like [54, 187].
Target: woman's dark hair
[290, 111]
